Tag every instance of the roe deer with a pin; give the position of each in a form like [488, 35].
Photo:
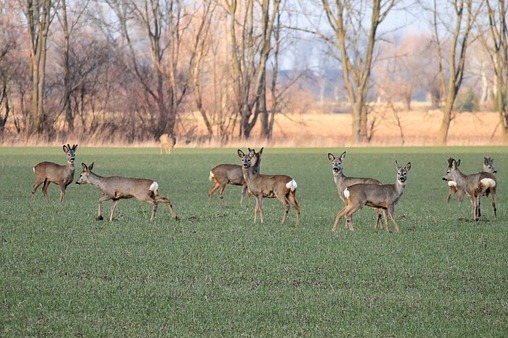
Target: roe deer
[47, 172]
[282, 187]
[383, 196]
[342, 182]
[224, 174]
[488, 167]
[167, 143]
[475, 185]
[116, 188]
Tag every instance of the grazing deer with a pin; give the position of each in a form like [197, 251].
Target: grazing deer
[282, 187]
[488, 167]
[47, 172]
[116, 188]
[475, 185]
[383, 196]
[342, 182]
[224, 174]
[167, 143]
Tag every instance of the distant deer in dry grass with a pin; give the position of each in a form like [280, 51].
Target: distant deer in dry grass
[116, 188]
[342, 182]
[384, 196]
[224, 174]
[475, 185]
[167, 143]
[49, 172]
[282, 187]
[488, 167]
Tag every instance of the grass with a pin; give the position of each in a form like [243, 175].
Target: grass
[215, 273]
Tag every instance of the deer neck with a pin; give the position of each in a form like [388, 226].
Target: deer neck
[249, 173]
[459, 178]
[339, 178]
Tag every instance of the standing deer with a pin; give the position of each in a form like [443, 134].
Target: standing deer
[224, 174]
[475, 185]
[116, 188]
[167, 143]
[342, 182]
[47, 172]
[383, 196]
[488, 167]
[282, 187]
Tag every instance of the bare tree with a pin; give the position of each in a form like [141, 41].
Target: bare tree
[497, 47]
[39, 15]
[452, 24]
[355, 27]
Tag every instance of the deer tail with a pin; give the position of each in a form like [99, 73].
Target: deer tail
[211, 176]
[292, 185]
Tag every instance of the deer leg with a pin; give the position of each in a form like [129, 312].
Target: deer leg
[378, 218]
[62, 192]
[45, 189]
[215, 186]
[292, 199]
[154, 210]
[244, 190]
[103, 198]
[460, 195]
[340, 214]
[113, 207]
[259, 206]
[34, 188]
[451, 191]
[221, 190]
[391, 212]
[161, 199]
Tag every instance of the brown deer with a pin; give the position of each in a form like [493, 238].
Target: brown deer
[224, 174]
[342, 182]
[474, 185]
[116, 188]
[167, 143]
[48, 172]
[488, 167]
[282, 187]
[384, 196]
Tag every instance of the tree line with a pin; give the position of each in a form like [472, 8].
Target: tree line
[130, 70]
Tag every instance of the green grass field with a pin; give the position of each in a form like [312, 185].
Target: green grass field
[215, 273]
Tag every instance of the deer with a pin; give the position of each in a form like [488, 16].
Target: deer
[474, 185]
[117, 187]
[488, 167]
[282, 187]
[49, 172]
[383, 196]
[342, 182]
[224, 174]
[167, 143]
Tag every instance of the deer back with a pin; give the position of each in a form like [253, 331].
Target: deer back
[228, 173]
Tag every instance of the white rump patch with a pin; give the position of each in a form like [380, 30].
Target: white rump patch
[346, 193]
[292, 185]
[452, 183]
[154, 186]
[488, 182]
[211, 176]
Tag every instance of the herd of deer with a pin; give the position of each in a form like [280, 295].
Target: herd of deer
[355, 192]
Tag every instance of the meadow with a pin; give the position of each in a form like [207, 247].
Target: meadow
[215, 273]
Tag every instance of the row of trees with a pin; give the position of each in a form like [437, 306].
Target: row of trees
[135, 67]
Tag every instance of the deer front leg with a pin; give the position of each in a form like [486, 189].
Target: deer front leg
[45, 189]
[62, 192]
[391, 212]
[103, 198]
[161, 199]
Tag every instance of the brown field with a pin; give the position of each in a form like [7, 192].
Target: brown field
[416, 128]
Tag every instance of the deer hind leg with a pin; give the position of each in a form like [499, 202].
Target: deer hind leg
[294, 202]
[113, 208]
[258, 207]
[493, 193]
[45, 189]
[161, 199]
[244, 191]
[284, 202]
[215, 186]
[379, 215]
[34, 188]
[348, 212]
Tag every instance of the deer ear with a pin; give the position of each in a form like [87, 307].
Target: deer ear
[240, 153]
[408, 166]
[65, 149]
[74, 147]
[90, 167]
[342, 156]
[83, 166]
[458, 163]
[331, 157]
[261, 151]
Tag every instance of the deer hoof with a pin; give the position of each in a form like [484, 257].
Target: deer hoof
[99, 218]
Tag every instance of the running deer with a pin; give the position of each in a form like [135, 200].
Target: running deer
[384, 196]
[342, 182]
[47, 172]
[116, 188]
[224, 174]
[475, 185]
[488, 167]
[282, 187]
